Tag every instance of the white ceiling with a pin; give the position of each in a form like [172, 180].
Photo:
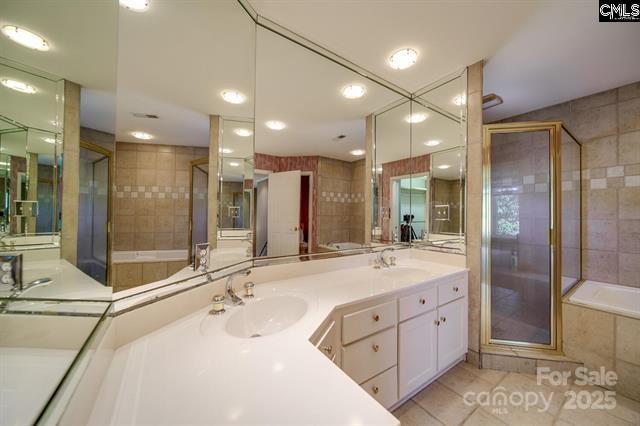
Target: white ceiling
[561, 53]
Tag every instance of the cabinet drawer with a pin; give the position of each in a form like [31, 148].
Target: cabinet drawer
[328, 343]
[368, 357]
[368, 321]
[452, 290]
[384, 387]
[418, 303]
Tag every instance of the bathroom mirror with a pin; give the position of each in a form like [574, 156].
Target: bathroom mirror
[30, 149]
[165, 128]
[418, 182]
[310, 180]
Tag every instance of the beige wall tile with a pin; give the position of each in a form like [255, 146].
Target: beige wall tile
[588, 336]
[629, 203]
[126, 159]
[152, 272]
[173, 267]
[164, 207]
[144, 241]
[180, 241]
[600, 152]
[629, 269]
[600, 204]
[166, 161]
[166, 178]
[628, 339]
[123, 241]
[628, 379]
[181, 179]
[166, 148]
[164, 222]
[145, 223]
[629, 118]
[601, 234]
[124, 206]
[629, 91]
[125, 177]
[146, 177]
[593, 101]
[181, 225]
[145, 207]
[183, 161]
[128, 275]
[163, 241]
[629, 236]
[509, 363]
[594, 123]
[600, 265]
[124, 224]
[629, 148]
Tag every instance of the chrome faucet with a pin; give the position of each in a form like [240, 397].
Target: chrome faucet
[232, 297]
[381, 261]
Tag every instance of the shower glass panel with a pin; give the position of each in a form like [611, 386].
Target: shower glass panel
[520, 251]
[570, 229]
[199, 189]
[93, 214]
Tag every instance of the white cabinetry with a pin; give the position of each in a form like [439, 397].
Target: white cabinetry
[396, 344]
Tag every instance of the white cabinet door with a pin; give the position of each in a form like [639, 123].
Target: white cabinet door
[452, 332]
[283, 213]
[417, 340]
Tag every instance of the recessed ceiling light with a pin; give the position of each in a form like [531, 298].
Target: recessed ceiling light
[49, 140]
[357, 152]
[275, 125]
[135, 5]
[460, 100]
[403, 59]
[234, 164]
[142, 135]
[353, 91]
[418, 117]
[432, 142]
[233, 97]
[444, 166]
[18, 86]
[226, 150]
[243, 132]
[25, 38]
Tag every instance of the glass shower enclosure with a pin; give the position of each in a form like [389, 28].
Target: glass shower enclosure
[531, 232]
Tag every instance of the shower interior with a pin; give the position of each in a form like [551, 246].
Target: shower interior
[531, 232]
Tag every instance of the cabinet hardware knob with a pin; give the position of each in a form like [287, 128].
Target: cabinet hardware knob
[456, 289]
[328, 349]
[376, 317]
[376, 389]
[436, 322]
[423, 301]
[376, 348]
[443, 319]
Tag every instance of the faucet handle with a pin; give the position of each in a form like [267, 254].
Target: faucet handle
[218, 305]
[248, 289]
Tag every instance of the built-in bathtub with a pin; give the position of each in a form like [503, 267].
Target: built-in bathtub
[134, 268]
[613, 298]
[600, 324]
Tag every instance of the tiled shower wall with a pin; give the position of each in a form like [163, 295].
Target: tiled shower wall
[152, 196]
[340, 201]
[608, 126]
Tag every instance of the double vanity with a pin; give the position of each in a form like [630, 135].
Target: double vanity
[339, 341]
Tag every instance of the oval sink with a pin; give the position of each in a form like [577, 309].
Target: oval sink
[266, 316]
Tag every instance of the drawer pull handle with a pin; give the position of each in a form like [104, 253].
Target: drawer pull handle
[443, 319]
[375, 389]
[328, 349]
[423, 300]
[456, 289]
[436, 322]
[376, 317]
[375, 347]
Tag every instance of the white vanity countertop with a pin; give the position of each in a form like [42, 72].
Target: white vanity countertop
[68, 282]
[193, 372]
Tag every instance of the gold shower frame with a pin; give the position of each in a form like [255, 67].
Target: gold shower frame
[554, 129]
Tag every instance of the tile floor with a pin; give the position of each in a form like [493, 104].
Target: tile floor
[442, 402]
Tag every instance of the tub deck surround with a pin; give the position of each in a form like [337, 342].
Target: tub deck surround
[614, 298]
[68, 282]
[178, 373]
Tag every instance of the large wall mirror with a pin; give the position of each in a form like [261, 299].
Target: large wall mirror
[419, 172]
[314, 120]
[30, 154]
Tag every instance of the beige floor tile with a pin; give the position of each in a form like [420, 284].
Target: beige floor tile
[518, 416]
[527, 383]
[443, 404]
[626, 409]
[411, 414]
[491, 376]
[588, 417]
[460, 381]
[482, 418]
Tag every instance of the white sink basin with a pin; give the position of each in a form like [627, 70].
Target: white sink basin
[266, 316]
[403, 272]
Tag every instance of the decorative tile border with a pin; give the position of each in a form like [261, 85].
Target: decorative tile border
[343, 197]
[611, 177]
[140, 191]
